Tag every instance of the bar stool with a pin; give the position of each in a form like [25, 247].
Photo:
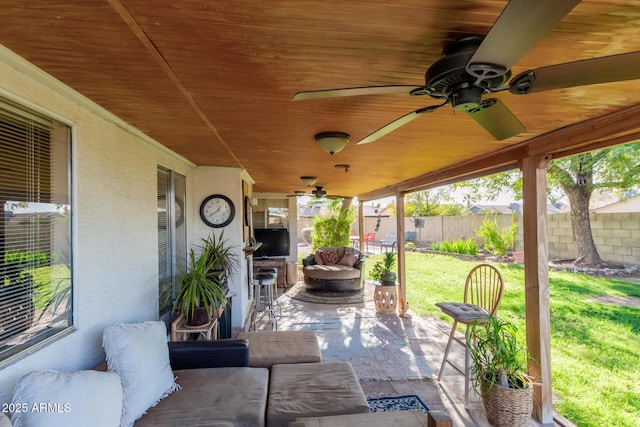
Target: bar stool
[263, 298]
[274, 272]
[483, 291]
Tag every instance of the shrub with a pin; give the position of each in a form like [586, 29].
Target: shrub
[497, 241]
[461, 246]
[37, 258]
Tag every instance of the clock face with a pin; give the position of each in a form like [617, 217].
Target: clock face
[217, 211]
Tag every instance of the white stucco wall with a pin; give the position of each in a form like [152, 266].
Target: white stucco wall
[226, 181]
[114, 218]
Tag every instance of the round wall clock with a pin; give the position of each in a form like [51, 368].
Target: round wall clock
[217, 211]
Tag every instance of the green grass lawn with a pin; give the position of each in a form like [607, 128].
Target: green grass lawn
[595, 348]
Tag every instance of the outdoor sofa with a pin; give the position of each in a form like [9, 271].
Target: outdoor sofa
[150, 382]
[334, 269]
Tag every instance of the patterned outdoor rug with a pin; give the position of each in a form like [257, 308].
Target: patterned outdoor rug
[300, 293]
[397, 403]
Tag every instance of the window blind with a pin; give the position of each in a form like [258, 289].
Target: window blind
[35, 262]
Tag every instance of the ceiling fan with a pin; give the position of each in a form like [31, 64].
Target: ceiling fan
[319, 193]
[475, 66]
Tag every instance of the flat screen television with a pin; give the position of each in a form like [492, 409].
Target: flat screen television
[275, 242]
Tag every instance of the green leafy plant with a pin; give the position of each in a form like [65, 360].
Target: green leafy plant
[219, 254]
[497, 241]
[461, 246]
[383, 270]
[36, 258]
[199, 287]
[333, 228]
[498, 354]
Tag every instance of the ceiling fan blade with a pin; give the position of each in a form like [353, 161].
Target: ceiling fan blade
[520, 25]
[397, 123]
[497, 119]
[605, 69]
[355, 91]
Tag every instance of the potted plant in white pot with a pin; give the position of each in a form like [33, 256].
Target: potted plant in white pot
[498, 371]
[200, 291]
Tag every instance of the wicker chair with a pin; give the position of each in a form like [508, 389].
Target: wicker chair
[482, 294]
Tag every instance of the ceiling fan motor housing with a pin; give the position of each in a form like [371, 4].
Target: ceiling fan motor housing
[448, 77]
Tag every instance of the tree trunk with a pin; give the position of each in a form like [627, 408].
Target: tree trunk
[586, 252]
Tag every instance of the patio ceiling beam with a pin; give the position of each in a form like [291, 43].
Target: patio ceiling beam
[600, 144]
[610, 129]
[486, 165]
[615, 128]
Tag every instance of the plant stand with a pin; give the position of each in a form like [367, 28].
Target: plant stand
[385, 298]
[180, 332]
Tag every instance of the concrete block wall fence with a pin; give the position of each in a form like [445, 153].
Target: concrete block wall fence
[616, 235]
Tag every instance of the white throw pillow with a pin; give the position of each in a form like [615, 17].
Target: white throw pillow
[140, 355]
[80, 398]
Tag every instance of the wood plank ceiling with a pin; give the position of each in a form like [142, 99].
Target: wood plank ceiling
[214, 80]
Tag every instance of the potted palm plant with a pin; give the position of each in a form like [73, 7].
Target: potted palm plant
[498, 371]
[221, 256]
[224, 262]
[200, 291]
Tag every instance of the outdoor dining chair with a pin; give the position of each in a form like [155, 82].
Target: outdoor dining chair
[389, 243]
[370, 238]
[482, 294]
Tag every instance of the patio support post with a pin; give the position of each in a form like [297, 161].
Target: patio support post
[361, 225]
[401, 255]
[536, 278]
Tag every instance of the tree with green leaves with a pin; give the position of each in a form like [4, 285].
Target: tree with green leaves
[577, 177]
[432, 202]
[333, 227]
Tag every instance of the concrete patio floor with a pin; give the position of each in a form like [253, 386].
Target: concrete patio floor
[423, 337]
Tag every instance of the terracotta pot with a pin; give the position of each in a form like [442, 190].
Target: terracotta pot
[200, 317]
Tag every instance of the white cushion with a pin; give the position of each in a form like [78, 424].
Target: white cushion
[81, 398]
[140, 355]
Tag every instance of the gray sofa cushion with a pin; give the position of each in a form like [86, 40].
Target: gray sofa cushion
[213, 397]
[268, 348]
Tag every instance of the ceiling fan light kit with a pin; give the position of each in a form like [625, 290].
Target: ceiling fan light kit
[478, 65]
[309, 180]
[332, 142]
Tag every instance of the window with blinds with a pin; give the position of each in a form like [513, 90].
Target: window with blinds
[172, 241]
[35, 230]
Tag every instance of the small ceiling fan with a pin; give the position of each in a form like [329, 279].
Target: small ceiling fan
[475, 66]
[319, 193]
